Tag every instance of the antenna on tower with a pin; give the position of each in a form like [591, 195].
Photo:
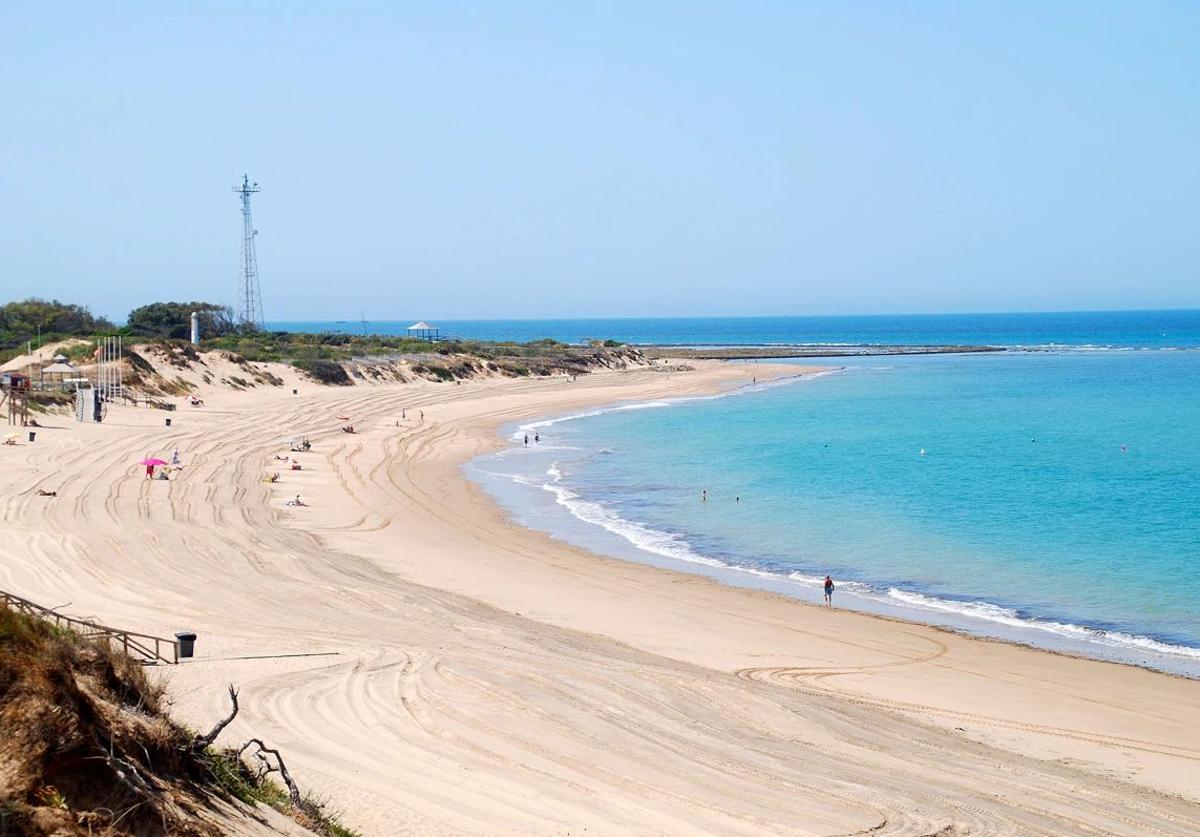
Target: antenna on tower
[249, 313]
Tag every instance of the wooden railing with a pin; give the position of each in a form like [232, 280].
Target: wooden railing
[154, 649]
[146, 401]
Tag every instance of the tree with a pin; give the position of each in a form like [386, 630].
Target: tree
[22, 320]
[174, 320]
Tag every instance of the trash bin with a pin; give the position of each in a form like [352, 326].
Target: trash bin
[168, 422]
[187, 643]
[32, 435]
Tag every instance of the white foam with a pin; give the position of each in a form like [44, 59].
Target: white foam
[998, 614]
[665, 544]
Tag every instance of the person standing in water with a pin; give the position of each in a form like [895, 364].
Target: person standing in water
[828, 591]
[703, 495]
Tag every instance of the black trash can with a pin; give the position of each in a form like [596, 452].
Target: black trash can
[32, 435]
[168, 422]
[187, 643]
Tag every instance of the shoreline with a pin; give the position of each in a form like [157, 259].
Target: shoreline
[674, 577]
[436, 669]
[611, 539]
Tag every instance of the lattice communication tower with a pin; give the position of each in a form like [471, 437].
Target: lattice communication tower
[250, 311]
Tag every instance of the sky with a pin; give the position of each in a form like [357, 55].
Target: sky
[492, 160]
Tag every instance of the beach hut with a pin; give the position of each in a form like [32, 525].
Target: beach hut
[423, 331]
[15, 380]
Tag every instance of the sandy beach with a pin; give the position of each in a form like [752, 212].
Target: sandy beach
[435, 669]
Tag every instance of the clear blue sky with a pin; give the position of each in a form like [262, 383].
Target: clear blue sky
[576, 159]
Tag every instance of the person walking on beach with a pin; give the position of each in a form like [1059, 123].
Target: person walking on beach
[537, 438]
[828, 591]
[526, 440]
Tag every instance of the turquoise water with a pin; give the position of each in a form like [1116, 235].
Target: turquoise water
[1056, 502]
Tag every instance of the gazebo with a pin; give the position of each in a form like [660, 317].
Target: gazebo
[61, 368]
[423, 331]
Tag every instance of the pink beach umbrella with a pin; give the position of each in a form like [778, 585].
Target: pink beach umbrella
[154, 462]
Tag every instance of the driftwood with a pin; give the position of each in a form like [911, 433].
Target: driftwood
[279, 767]
[206, 740]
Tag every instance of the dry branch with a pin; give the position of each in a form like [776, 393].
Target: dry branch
[206, 740]
[293, 791]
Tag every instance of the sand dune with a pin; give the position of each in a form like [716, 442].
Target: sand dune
[437, 670]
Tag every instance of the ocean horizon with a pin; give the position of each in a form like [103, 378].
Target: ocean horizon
[1176, 328]
[1041, 497]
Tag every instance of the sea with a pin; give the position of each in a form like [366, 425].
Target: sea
[1048, 494]
[1096, 329]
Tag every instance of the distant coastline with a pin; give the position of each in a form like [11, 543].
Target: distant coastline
[1176, 329]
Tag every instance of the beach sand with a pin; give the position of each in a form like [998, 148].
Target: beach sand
[435, 669]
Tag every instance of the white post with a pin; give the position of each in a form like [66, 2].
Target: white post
[195, 328]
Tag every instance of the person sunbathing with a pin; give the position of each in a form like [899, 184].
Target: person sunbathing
[271, 477]
[44, 493]
[349, 428]
[296, 502]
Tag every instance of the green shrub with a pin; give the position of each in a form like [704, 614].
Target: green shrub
[324, 371]
[174, 320]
